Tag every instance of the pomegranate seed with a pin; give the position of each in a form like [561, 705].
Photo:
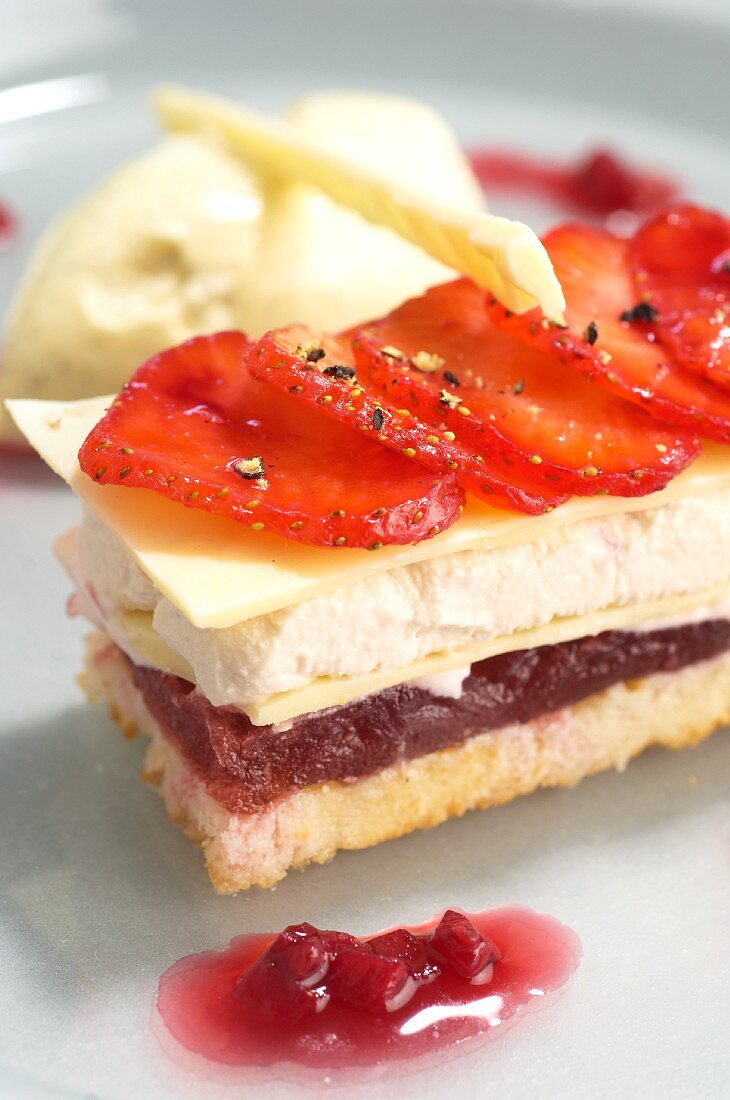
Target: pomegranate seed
[269, 989]
[304, 968]
[300, 950]
[457, 942]
[281, 984]
[370, 982]
[337, 942]
[412, 950]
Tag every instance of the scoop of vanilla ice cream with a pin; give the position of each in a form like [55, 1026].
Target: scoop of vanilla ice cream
[323, 265]
[149, 260]
[186, 241]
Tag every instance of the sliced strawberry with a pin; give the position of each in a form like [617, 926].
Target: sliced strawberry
[621, 354]
[509, 401]
[195, 426]
[398, 416]
[681, 263]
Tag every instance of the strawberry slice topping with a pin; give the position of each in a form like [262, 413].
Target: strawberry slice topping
[194, 425]
[681, 264]
[392, 411]
[510, 402]
[611, 339]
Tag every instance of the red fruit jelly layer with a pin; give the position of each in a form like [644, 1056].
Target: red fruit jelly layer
[328, 1000]
[246, 767]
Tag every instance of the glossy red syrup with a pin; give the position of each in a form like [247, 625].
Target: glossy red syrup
[202, 998]
[600, 183]
[8, 226]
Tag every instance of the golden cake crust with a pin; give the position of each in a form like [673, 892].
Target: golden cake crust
[604, 731]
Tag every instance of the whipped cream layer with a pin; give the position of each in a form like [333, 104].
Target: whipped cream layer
[443, 604]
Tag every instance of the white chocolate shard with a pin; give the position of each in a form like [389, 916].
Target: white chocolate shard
[502, 256]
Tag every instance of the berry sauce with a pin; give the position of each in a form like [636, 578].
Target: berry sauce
[598, 184]
[326, 1000]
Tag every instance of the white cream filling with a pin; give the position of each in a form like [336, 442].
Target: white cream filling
[127, 627]
[393, 618]
[448, 684]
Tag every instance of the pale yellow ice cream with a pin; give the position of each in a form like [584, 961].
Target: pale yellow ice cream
[186, 241]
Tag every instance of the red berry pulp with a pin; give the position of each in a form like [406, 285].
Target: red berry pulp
[329, 1000]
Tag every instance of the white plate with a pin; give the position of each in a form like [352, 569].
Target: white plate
[99, 892]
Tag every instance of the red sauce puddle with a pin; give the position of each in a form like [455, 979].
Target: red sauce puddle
[197, 1005]
[599, 183]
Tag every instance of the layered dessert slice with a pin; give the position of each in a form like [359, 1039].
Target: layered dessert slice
[364, 706]
[351, 585]
[264, 798]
